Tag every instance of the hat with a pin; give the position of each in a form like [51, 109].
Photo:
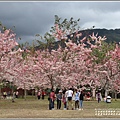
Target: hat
[60, 90]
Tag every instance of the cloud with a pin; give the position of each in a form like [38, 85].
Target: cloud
[30, 18]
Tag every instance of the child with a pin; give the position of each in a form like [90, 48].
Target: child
[38, 95]
[64, 101]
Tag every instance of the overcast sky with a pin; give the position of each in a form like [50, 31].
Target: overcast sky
[31, 18]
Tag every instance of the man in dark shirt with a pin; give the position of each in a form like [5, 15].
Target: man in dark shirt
[81, 100]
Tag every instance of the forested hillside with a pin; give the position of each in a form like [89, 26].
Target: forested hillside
[111, 35]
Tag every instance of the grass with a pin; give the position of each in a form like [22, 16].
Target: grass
[33, 108]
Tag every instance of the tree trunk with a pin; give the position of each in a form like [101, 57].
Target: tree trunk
[0, 90]
[32, 92]
[115, 95]
[106, 93]
[13, 95]
[93, 94]
[25, 93]
[0, 93]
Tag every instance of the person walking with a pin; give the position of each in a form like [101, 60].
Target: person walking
[81, 98]
[98, 97]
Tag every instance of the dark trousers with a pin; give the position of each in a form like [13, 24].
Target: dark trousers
[38, 97]
[43, 97]
[58, 104]
[76, 104]
[98, 100]
[51, 104]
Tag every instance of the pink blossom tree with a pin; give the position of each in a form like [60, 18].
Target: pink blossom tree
[106, 66]
[90, 61]
[7, 46]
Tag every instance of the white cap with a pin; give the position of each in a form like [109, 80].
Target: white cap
[60, 90]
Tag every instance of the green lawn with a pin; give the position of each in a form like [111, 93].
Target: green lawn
[33, 108]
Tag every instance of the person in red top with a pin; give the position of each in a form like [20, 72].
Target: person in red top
[52, 99]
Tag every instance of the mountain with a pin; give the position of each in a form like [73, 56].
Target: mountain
[111, 35]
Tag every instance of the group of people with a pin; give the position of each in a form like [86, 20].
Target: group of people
[71, 99]
[8, 94]
[41, 93]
